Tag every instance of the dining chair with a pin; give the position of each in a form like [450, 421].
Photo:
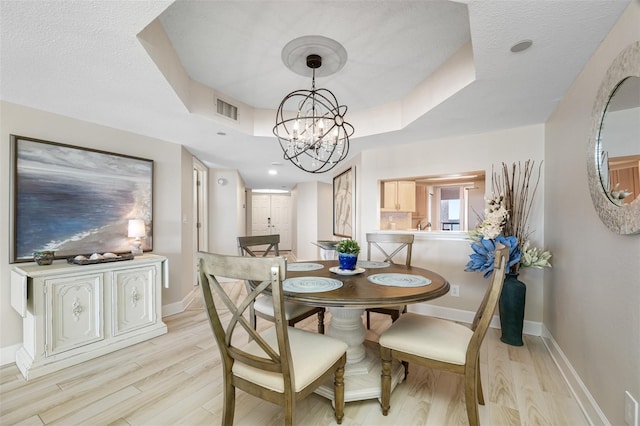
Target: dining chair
[263, 307]
[444, 345]
[398, 242]
[281, 364]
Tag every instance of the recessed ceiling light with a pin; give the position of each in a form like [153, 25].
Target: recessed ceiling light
[521, 45]
[273, 172]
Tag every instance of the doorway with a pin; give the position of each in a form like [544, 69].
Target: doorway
[200, 212]
[271, 214]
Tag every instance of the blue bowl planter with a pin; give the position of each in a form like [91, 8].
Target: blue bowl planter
[347, 261]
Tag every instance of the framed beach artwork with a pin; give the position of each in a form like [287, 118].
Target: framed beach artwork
[343, 203]
[76, 200]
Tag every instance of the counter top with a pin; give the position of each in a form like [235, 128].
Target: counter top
[429, 235]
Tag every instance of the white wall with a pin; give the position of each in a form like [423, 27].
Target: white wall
[592, 294]
[227, 211]
[475, 152]
[325, 211]
[167, 208]
[307, 215]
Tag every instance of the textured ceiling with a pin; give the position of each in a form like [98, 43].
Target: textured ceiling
[85, 60]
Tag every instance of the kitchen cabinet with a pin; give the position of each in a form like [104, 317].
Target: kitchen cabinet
[73, 313]
[421, 202]
[399, 195]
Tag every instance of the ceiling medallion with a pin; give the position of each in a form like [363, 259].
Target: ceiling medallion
[315, 137]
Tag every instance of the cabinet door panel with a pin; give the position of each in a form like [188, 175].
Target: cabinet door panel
[73, 314]
[406, 196]
[390, 196]
[133, 298]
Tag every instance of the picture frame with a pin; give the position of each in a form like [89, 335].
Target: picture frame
[344, 204]
[76, 200]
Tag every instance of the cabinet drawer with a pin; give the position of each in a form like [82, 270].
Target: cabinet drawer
[133, 299]
[73, 312]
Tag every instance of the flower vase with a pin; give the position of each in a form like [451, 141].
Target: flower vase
[511, 308]
[347, 261]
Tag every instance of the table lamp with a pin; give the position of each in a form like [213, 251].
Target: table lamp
[137, 231]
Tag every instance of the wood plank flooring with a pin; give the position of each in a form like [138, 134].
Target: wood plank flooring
[176, 379]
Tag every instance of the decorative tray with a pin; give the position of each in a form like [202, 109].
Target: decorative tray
[88, 261]
[337, 270]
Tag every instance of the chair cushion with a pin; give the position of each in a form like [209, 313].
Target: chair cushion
[428, 337]
[312, 354]
[264, 305]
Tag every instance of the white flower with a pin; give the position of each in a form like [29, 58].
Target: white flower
[495, 216]
[534, 257]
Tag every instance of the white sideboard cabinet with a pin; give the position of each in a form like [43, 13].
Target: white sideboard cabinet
[72, 313]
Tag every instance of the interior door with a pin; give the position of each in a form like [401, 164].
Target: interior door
[281, 219]
[260, 214]
[271, 214]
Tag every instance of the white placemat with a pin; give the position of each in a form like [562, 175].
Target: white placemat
[372, 264]
[399, 280]
[303, 266]
[310, 284]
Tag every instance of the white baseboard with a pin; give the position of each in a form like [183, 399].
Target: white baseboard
[8, 354]
[532, 328]
[585, 400]
[177, 307]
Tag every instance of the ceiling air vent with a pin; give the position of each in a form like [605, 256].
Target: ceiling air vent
[226, 109]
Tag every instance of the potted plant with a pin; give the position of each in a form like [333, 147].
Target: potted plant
[348, 254]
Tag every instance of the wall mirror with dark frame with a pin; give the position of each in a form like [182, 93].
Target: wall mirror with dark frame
[613, 153]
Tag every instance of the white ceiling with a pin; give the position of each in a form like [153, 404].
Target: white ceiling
[84, 60]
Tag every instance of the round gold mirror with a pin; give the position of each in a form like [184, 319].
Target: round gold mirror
[613, 157]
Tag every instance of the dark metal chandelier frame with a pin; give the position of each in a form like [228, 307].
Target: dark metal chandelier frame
[316, 139]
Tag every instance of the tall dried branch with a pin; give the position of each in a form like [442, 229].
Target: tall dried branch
[515, 184]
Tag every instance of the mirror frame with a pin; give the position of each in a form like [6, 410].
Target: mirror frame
[622, 219]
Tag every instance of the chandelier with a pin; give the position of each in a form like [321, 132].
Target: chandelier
[315, 138]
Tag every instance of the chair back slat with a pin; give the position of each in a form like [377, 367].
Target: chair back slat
[400, 242]
[248, 245]
[268, 273]
[489, 302]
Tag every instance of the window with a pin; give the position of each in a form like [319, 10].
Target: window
[453, 202]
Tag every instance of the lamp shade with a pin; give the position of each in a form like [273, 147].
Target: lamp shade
[136, 228]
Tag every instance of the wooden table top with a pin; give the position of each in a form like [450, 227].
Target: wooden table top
[358, 292]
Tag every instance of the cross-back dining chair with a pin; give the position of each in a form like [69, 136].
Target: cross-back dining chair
[281, 364]
[262, 307]
[396, 242]
[444, 345]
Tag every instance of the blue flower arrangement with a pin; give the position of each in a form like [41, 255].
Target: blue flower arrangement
[505, 222]
[485, 252]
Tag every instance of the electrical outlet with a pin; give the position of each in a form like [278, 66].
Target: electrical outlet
[630, 409]
[455, 290]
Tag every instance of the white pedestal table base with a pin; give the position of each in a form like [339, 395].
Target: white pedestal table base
[363, 369]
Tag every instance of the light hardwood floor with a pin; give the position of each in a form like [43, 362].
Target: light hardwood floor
[175, 379]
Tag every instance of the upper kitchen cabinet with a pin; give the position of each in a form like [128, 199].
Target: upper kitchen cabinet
[399, 196]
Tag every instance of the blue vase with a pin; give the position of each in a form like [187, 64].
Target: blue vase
[347, 261]
[511, 308]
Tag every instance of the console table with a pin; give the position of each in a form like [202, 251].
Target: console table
[72, 313]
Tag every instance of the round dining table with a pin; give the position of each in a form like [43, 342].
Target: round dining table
[346, 294]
